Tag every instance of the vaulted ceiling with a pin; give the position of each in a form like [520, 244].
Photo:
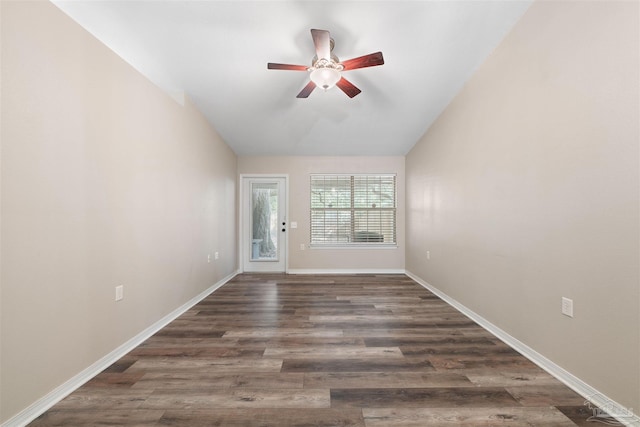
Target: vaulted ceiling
[216, 53]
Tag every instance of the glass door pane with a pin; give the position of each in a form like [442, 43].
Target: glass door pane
[264, 221]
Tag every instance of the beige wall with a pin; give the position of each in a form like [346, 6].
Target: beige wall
[526, 190]
[298, 169]
[105, 181]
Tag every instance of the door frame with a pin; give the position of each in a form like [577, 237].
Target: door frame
[243, 243]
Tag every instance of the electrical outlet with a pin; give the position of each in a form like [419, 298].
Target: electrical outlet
[567, 307]
[428, 254]
[119, 292]
[216, 255]
[208, 258]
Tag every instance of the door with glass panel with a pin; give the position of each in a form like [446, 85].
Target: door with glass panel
[265, 225]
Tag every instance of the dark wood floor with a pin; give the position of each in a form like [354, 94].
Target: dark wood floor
[287, 350]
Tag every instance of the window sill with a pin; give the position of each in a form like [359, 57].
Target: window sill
[355, 246]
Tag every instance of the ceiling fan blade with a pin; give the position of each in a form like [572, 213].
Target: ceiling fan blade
[370, 60]
[347, 87]
[306, 91]
[322, 42]
[274, 66]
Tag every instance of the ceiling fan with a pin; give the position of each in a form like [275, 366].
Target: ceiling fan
[326, 68]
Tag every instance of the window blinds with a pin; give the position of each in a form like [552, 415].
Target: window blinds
[353, 209]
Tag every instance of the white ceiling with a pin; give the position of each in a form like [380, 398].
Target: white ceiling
[216, 52]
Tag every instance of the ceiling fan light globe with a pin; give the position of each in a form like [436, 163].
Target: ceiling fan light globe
[325, 78]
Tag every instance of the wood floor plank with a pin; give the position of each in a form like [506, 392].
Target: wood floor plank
[436, 397]
[549, 394]
[375, 318]
[391, 332]
[197, 352]
[189, 333]
[198, 380]
[357, 380]
[93, 417]
[298, 342]
[284, 333]
[333, 352]
[470, 417]
[278, 350]
[475, 362]
[428, 341]
[104, 398]
[115, 379]
[238, 398]
[485, 351]
[309, 417]
[351, 309]
[491, 377]
[356, 365]
[166, 342]
[268, 380]
[172, 380]
[227, 364]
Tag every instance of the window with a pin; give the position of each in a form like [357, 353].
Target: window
[353, 209]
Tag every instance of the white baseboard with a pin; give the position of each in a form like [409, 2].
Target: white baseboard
[42, 405]
[348, 271]
[619, 412]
